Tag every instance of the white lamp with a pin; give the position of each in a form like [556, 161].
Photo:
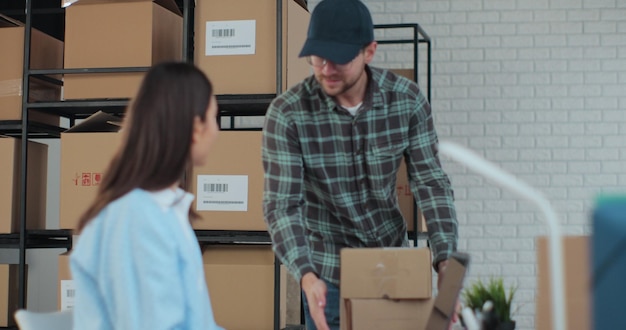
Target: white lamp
[507, 180]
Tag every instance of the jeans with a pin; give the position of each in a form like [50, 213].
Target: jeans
[331, 310]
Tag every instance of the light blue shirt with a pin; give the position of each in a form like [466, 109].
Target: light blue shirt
[138, 265]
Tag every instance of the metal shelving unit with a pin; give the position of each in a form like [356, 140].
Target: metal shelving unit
[79, 109]
[230, 106]
[418, 37]
[25, 129]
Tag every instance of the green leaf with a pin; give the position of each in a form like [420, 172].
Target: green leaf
[478, 293]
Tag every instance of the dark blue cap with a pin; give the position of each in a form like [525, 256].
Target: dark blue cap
[338, 30]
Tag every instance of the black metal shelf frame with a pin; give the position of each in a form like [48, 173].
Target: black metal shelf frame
[13, 128]
[419, 36]
[39, 239]
[75, 109]
[230, 105]
[24, 129]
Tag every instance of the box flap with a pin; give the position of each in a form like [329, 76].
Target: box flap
[168, 4]
[449, 292]
[302, 4]
[98, 122]
[6, 21]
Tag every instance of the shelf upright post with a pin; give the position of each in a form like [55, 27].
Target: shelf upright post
[415, 53]
[279, 88]
[279, 46]
[426, 38]
[24, 156]
[187, 56]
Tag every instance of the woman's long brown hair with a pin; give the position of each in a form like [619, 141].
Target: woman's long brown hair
[157, 132]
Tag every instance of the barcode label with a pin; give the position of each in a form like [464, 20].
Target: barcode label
[222, 202]
[67, 294]
[231, 46]
[236, 37]
[223, 33]
[222, 193]
[216, 187]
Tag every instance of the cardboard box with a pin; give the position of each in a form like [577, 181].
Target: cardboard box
[577, 271]
[46, 53]
[66, 286]
[10, 185]
[406, 73]
[394, 273]
[365, 271]
[9, 294]
[84, 158]
[241, 285]
[449, 291]
[407, 202]
[118, 33]
[233, 27]
[229, 188]
[377, 314]
[405, 196]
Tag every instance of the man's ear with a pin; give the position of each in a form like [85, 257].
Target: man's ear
[370, 51]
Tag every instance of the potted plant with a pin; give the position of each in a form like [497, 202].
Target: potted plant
[497, 314]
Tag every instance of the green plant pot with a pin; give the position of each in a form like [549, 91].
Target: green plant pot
[506, 326]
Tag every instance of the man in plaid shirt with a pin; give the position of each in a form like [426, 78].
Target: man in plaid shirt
[332, 146]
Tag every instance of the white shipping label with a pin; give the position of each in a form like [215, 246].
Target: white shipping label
[222, 193]
[230, 37]
[67, 294]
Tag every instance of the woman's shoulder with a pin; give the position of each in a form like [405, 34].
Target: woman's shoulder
[135, 214]
[136, 201]
[134, 209]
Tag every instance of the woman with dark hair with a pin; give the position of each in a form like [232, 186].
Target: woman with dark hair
[137, 264]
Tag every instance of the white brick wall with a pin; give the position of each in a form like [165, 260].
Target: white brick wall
[538, 87]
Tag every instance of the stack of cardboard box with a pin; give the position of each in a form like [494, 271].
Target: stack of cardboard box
[236, 44]
[46, 53]
[86, 150]
[105, 34]
[385, 288]
[84, 158]
[115, 34]
[137, 37]
[10, 209]
[390, 288]
[241, 285]
[10, 185]
[229, 188]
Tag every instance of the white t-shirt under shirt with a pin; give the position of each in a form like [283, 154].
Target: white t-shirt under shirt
[352, 110]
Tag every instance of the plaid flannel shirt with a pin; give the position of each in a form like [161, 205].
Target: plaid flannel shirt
[330, 177]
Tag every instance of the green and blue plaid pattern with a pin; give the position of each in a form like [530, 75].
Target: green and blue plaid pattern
[330, 177]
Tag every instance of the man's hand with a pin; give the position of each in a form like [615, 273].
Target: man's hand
[441, 269]
[315, 292]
